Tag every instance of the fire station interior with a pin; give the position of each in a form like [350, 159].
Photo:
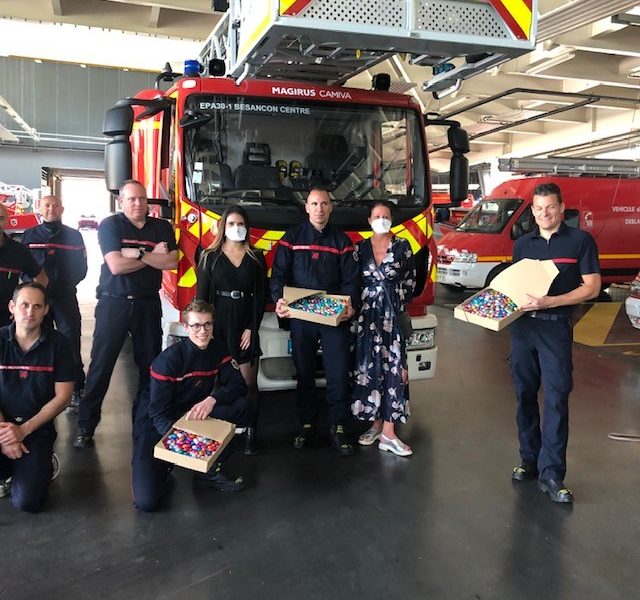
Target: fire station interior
[449, 522]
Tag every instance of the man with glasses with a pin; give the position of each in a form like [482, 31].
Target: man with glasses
[196, 376]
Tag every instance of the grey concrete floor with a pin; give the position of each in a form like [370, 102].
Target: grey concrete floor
[446, 523]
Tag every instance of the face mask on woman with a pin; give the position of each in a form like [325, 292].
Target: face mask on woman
[381, 225]
[236, 233]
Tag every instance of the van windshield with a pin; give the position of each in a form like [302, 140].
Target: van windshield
[489, 216]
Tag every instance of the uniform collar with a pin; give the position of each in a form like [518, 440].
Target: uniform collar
[562, 230]
[315, 233]
[125, 219]
[43, 336]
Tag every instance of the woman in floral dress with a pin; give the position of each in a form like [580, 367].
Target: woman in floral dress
[380, 377]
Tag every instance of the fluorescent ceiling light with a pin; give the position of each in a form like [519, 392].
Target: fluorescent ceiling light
[549, 63]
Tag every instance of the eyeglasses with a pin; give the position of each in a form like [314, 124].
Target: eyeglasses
[208, 326]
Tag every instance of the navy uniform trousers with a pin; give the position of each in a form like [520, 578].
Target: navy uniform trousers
[541, 352]
[149, 475]
[31, 473]
[115, 318]
[65, 313]
[335, 359]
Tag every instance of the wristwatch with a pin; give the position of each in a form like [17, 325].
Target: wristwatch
[141, 253]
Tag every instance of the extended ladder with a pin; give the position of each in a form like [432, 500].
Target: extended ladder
[332, 40]
[571, 166]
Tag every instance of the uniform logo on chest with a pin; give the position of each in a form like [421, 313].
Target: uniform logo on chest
[24, 374]
[315, 255]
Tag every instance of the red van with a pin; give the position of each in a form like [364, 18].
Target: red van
[481, 246]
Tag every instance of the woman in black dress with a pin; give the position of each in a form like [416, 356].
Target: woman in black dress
[232, 275]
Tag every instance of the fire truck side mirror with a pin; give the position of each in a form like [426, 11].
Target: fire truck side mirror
[459, 171]
[118, 123]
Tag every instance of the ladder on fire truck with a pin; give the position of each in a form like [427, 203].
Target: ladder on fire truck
[571, 166]
[330, 41]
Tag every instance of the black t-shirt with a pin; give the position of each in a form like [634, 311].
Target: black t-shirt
[27, 379]
[117, 232]
[573, 251]
[15, 259]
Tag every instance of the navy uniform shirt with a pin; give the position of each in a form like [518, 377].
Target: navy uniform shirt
[27, 379]
[319, 260]
[184, 375]
[573, 251]
[15, 259]
[117, 232]
[60, 251]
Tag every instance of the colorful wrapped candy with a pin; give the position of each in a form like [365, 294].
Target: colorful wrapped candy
[190, 444]
[491, 304]
[320, 305]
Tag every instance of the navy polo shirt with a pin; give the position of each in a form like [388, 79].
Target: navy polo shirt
[117, 232]
[14, 260]
[60, 251]
[27, 379]
[572, 250]
[319, 260]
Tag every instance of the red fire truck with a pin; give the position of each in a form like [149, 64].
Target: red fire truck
[211, 141]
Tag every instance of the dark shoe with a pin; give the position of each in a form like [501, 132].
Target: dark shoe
[76, 397]
[84, 439]
[339, 440]
[525, 472]
[219, 480]
[556, 490]
[250, 445]
[305, 438]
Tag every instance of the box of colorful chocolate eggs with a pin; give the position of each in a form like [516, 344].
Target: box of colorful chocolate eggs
[194, 444]
[496, 306]
[315, 305]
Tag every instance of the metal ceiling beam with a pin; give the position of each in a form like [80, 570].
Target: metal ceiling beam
[57, 8]
[154, 17]
[193, 6]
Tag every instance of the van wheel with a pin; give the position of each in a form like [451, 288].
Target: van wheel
[498, 269]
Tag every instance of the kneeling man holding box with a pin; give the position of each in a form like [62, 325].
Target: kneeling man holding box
[198, 379]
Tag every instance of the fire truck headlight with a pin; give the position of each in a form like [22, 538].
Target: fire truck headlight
[466, 257]
[422, 339]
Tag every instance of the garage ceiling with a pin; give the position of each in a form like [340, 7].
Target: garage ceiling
[578, 94]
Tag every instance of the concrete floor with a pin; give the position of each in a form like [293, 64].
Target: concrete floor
[446, 523]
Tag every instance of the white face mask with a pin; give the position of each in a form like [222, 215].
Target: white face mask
[382, 225]
[236, 233]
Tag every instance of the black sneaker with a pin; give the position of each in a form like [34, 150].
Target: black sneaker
[525, 472]
[84, 439]
[73, 407]
[5, 487]
[219, 480]
[305, 438]
[556, 490]
[339, 440]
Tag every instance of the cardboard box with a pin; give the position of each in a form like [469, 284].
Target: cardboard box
[292, 294]
[527, 276]
[221, 431]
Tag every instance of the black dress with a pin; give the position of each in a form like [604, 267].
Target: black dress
[216, 274]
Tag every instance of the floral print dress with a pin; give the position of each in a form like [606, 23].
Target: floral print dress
[380, 351]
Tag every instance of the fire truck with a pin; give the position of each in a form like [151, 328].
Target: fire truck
[281, 117]
[17, 199]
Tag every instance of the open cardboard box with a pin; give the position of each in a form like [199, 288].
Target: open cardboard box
[527, 276]
[216, 429]
[292, 294]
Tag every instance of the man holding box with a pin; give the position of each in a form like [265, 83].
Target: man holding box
[195, 376]
[316, 255]
[541, 341]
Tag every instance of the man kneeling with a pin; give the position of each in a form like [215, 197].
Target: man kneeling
[197, 376]
[37, 372]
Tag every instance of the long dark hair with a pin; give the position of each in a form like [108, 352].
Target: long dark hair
[216, 245]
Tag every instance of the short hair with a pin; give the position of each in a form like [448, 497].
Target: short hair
[385, 203]
[131, 182]
[33, 285]
[198, 306]
[319, 186]
[548, 189]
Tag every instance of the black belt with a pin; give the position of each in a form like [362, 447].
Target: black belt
[128, 297]
[547, 316]
[235, 294]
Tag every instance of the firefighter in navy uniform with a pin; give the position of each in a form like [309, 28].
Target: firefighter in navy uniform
[15, 261]
[541, 341]
[136, 249]
[195, 376]
[317, 255]
[36, 383]
[60, 251]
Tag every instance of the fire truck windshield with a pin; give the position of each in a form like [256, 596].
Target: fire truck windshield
[269, 151]
[489, 216]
